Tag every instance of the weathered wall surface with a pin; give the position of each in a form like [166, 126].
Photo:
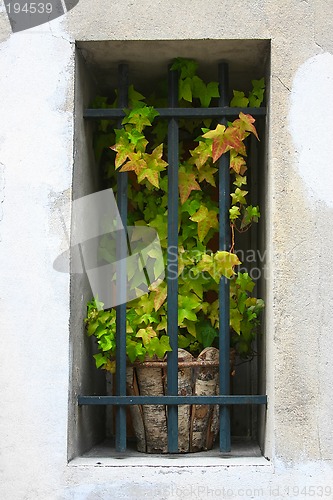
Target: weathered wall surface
[37, 70]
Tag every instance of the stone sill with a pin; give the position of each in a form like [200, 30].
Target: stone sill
[244, 453]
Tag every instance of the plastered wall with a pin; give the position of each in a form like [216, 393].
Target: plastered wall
[37, 154]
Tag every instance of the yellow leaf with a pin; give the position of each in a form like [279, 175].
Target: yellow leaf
[160, 295]
[187, 184]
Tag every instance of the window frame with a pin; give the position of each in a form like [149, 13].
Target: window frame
[172, 400]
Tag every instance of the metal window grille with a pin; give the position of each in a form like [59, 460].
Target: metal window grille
[172, 400]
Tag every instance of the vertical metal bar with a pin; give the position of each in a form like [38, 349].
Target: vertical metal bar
[253, 162]
[224, 244]
[122, 184]
[172, 262]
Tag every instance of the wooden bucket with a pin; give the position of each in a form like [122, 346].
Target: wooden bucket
[197, 424]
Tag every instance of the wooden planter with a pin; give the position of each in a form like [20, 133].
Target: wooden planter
[197, 424]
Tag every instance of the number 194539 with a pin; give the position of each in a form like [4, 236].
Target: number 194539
[29, 8]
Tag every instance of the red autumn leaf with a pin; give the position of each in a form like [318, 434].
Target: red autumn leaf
[135, 163]
[229, 140]
[187, 184]
[245, 124]
[225, 139]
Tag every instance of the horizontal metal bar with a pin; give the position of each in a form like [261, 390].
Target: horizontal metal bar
[218, 112]
[196, 363]
[171, 400]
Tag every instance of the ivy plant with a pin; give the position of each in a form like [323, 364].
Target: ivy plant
[139, 147]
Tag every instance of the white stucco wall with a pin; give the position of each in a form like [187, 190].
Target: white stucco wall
[36, 161]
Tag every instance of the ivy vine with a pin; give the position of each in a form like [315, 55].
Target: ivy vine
[139, 147]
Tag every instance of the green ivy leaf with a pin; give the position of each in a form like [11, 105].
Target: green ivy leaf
[106, 343]
[144, 305]
[191, 327]
[100, 360]
[213, 89]
[239, 196]
[140, 117]
[239, 100]
[186, 307]
[207, 173]
[224, 263]
[123, 148]
[165, 345]
[206, 219]
[160, 223]
[185, 90]
[163, 324]
[256, 96]
[135, 98]
[146, 334]
[198, 86]
[240, 180]
[235, 320]
[160, 131]
[251, 214]
[187, 67]
[193, 284]
[135, 350]
[100, 102]
[206, 334]
[146, 166]
[190, 206]
[183, 341]
[92, 326]
[188, 231]
[213, 313]
[158, 263]
[201, 153]
[220, 264]
[245, 282]
[241, 300]
[158, 346]
[237, 163]
[205, 92]
[234, 213]
[137, 138]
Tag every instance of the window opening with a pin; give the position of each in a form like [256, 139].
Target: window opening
[120, 401]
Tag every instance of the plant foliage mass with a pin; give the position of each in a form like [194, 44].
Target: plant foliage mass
[139, 147]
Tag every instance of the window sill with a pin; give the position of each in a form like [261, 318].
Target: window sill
[244, 453]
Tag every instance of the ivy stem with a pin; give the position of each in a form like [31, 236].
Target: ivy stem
[232, 226]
